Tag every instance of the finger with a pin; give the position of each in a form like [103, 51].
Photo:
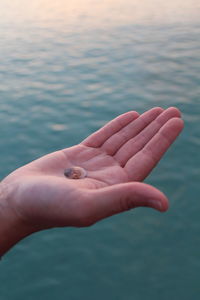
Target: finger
[112, 145]
[99, 137]
[135, 144]
[141, 164]
[118, 198]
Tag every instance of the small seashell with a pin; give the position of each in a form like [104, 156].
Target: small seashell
[75, 173]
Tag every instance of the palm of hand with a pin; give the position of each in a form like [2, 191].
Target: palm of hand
[125, 150]
[45, 185]
[102, 169]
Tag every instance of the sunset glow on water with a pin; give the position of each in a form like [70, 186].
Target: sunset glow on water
[66, 68]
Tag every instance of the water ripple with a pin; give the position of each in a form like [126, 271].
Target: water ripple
[65, 70]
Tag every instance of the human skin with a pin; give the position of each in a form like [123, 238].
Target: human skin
[117, 158]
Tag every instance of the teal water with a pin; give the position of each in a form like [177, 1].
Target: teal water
[65, 70]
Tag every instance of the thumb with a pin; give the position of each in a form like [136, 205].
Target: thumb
[121, 197]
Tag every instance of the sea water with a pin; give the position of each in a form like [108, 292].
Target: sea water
[66, 68]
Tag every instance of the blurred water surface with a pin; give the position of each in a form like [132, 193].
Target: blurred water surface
[65, 70]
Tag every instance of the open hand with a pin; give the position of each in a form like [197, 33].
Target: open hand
[117, 158]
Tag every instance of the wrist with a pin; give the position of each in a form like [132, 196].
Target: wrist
[12, 227]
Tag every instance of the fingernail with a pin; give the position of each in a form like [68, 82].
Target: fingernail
[156, 204]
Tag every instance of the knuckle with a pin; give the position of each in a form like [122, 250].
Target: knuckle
[85, 221]
[123, 136]
[126, 204]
